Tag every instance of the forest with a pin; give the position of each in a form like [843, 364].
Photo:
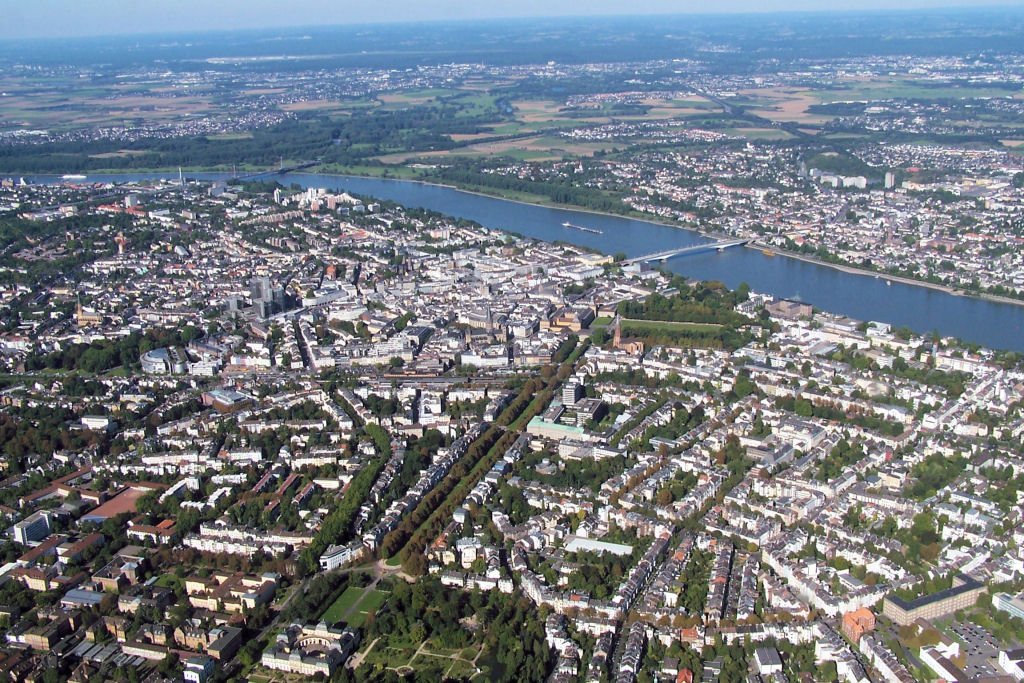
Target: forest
[470, 173]
[350, 140]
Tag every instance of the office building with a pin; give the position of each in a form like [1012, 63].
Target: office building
[33, 528]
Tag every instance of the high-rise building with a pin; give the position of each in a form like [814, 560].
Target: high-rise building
[571, 392]
[260, 289]
[264, 309]
[890, 180]
[33, 528]
[277, 298]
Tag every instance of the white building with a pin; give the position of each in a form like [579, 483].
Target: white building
[33, 528]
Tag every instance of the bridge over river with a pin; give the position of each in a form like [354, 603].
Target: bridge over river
[721, 245]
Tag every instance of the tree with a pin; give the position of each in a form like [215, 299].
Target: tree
[169, 664]
[664, 496]
[415, 563]
[803, 408]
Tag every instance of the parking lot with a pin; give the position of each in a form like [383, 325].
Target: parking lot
[980, 648]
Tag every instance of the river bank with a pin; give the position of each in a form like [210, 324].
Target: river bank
[639, 216]
[828, 286]
[880, 274]
[643, 218]
[360, 172]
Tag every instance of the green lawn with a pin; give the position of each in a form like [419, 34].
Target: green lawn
[655, 326]
[461, 670]
[354, 605]
[345, 602]
[168, 581]
[370, 604]
[389, 656]
[435, 649]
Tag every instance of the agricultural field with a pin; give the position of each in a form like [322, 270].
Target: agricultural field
[326, 106]
[511, 137]
[783, 105]
[67, 103]
[793, 104]
[889, 89]
[538, 148]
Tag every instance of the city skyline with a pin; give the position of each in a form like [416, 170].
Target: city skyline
[119, 17]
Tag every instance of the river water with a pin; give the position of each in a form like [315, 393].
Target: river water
[865, 297]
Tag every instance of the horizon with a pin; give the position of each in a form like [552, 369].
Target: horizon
[737, 8]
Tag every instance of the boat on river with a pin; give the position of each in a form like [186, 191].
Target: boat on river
[581, 228]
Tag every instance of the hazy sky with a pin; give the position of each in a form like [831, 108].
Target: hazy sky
[45, 18]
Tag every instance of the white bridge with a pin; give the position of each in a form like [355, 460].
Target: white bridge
[683, 251]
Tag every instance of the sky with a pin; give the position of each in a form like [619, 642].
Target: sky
[67, 18]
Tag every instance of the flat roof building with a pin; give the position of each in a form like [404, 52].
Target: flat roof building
[33, 528]
[1014, 606]
[963, 594]
[577, 544]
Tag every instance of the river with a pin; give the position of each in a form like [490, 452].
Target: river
[865, 297]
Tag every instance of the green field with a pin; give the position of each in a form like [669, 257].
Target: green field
[168, 581]
[370, 604]
[230, 136]
[354, 605]
[904, 89]
[476, 103]
[656, 326]
[340, 607]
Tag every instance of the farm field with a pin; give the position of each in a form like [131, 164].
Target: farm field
[792, 104]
